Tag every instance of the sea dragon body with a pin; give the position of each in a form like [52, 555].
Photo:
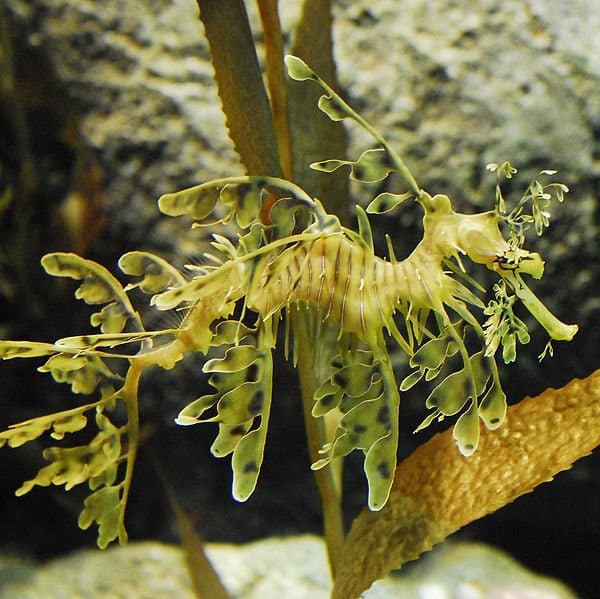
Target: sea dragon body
[274, 259]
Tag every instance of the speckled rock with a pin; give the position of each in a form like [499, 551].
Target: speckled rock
[294, 568]
[138, 75]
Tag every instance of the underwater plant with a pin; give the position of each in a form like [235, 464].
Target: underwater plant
[289, 255]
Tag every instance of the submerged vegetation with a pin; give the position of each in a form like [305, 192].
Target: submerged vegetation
[284, 270]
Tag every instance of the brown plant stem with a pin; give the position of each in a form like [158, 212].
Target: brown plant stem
[436, 490]
[277, 83]
[240, 85]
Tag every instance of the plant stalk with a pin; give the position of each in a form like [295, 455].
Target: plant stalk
[277, 83]
[327, 478]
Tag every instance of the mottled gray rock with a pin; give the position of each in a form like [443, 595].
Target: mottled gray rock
[138, 74]
[294, 568]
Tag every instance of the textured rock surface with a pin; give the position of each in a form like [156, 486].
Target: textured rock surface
[294, 568]
[138, 74]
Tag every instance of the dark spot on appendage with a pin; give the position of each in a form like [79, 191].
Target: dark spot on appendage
[325, 401]
[383, 416]
[256, 403]
[237, 431]
[216, 379]
[359, 429]
[250, 467]
[359, 172]
[340, 380]
[86, 339]
[252, 372]
[495, 420]
[383, 469]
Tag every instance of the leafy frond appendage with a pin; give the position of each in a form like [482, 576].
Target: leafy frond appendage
[242, 379]
[361, 387]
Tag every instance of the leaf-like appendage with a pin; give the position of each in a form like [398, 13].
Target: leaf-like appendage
[71, 466]
[230, 332]
[229, 436]
[83, 373]
[157, 274]
[245, 201]
[110, 340]
[364, 391]
[466, 431]
[23, 432]
[68, 424]
[197, 202]
[492, 409]
[386, 202]
[111, 319]
[96, 463]
[61, 423]
[98, 286]
[242, 379]
[247, 460]
[333, 108]
[298, 70]
[456, 390]
[25, 349]
[238, 357]
[284, 216]
[429, 359]
[451, 394]
[104, 507]
[242, 199]
[372, 166]
[332, 104]
[349, 377]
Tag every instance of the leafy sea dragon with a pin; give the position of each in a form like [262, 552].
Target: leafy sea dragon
[297, 258]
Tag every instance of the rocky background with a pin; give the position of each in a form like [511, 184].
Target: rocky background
[104, 106]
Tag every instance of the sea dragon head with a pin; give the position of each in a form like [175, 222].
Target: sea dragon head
[479, 237]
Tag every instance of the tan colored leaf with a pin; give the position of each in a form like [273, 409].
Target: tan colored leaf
[276, 81]
[206, 583]
[240, 85]
[436, 490]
